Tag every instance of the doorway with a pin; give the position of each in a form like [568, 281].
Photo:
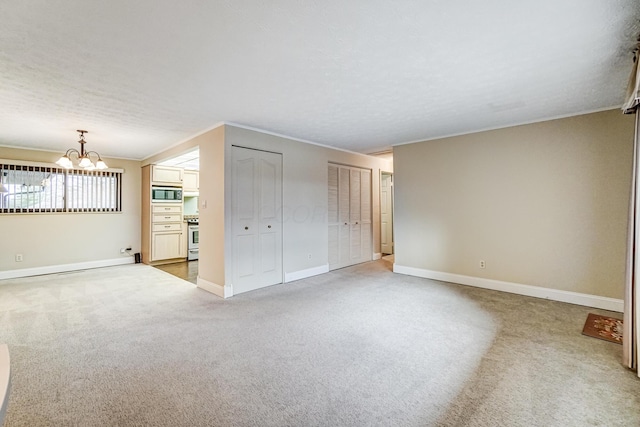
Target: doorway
[386, 213]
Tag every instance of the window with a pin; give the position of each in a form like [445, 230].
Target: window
[27, 187]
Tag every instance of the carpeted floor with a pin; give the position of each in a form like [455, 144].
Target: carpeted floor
[135, 346]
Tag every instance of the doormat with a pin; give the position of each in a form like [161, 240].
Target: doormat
[603, 327]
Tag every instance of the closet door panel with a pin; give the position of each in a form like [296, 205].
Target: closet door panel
[345, 243]
[270, 226]
[333, 195]
[355, 243]
[343, 195]
[354, 197]
[334, 245]
[256, 219]
[349, 216]
[365, 218]
[269, 248]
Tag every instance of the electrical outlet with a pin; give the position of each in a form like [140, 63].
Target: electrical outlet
[18, 257]
[483, 264]
[122, 250]
[309, 256]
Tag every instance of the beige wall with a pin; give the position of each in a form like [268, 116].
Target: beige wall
[68, 238]
[543, 204]
[212, 185]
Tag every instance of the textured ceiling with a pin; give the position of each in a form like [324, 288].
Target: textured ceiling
[361, 74]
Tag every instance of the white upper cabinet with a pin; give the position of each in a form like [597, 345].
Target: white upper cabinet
[167, 175]
[191, 183]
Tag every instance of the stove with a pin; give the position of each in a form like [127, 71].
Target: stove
[194, 238]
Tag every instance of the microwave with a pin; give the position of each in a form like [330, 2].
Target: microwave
[166, 194]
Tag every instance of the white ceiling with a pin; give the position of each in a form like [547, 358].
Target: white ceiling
[361, 74]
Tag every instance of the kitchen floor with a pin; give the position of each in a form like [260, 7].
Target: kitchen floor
[187, 270]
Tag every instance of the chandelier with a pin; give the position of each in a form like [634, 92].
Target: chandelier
[84, 157]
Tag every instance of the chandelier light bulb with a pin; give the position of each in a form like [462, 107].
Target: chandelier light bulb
[85, 162]
[65, 162]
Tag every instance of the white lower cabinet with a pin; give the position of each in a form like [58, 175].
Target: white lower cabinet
[168, 233]
[166, 245]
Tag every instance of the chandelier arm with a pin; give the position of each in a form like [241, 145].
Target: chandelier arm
[86, 153]
[72, 150]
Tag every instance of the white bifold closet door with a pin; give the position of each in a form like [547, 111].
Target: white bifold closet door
[256, 204]
[350, 228]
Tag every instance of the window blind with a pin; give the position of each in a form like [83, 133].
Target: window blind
[45, 189]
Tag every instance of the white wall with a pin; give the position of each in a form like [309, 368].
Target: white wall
[543, 204]
[55, 239]
[305, 194]
[305, 198]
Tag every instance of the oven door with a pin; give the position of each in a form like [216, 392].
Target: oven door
[194, 238]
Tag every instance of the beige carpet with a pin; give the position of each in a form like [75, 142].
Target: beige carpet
[135, 346]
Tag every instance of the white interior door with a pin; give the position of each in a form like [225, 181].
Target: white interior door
[350, 233]
[386, 213]
[334, 216]
[256, 205]
[366, 228]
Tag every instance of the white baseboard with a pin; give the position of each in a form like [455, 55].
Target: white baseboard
[303, 274]
[214, 288]
[587, 300]
[377, 256]
[50, 269]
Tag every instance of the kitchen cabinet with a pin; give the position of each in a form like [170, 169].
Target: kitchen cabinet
[191, 183]
[163, 230]
[166, 245]
[167, 232]
[167, 175]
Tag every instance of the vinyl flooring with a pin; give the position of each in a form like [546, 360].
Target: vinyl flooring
[187, 270]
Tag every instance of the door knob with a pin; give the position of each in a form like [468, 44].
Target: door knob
[268, 226]
[246, 228]
[356, 222]
[346, 223]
